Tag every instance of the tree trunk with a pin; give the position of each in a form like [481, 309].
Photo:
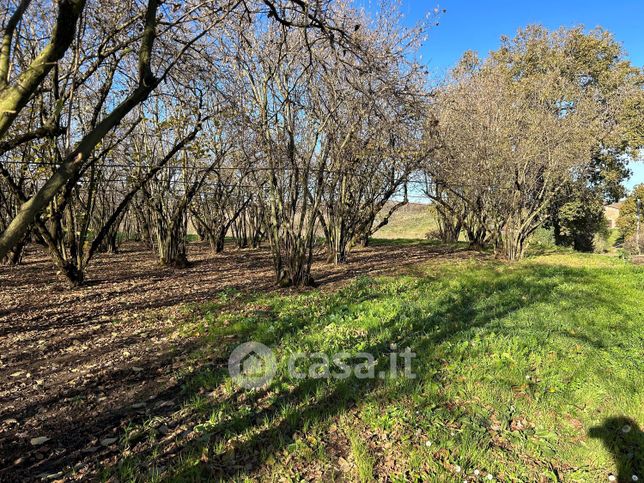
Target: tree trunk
[73, 274]
[172, 252]
[363, 240]
[513, 245]
[219, 243]
[476, 237]
[171, 243]
[14, 257]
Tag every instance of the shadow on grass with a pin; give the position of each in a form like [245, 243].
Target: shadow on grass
[400, 242]
[260, 424]
[237, 431]
[624, 439]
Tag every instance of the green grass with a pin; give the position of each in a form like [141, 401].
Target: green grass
[525, 372]
[412, 221]
[362, 457]
[614, 238]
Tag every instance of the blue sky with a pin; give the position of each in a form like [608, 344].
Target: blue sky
[478, 24]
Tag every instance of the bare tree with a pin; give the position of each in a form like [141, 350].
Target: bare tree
[168, 36]
[507, 147]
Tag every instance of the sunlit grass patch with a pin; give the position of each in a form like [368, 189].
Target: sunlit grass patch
[516, 364]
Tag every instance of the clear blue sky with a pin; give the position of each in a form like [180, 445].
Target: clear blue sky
[478, 24]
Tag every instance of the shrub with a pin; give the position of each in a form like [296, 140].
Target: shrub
[542, 239]
[601, 242]
[434, 234]
[630, 247]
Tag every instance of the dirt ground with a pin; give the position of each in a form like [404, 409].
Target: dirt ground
[78, 365]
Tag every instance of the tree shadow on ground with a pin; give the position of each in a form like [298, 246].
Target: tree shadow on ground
[241, 442]
[239, 430]
[624, 439]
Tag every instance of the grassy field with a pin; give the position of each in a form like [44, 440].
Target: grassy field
[524, 372]
[411, 221]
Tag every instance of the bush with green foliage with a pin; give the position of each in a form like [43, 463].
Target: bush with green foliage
[542, 239]
[627, 221]
[602, 242]
[579, 221]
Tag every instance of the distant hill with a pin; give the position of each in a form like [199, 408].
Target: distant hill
[413, 220]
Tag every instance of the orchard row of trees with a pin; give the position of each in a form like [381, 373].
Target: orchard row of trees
[291, 122]
[539, 133]
[272, 121]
